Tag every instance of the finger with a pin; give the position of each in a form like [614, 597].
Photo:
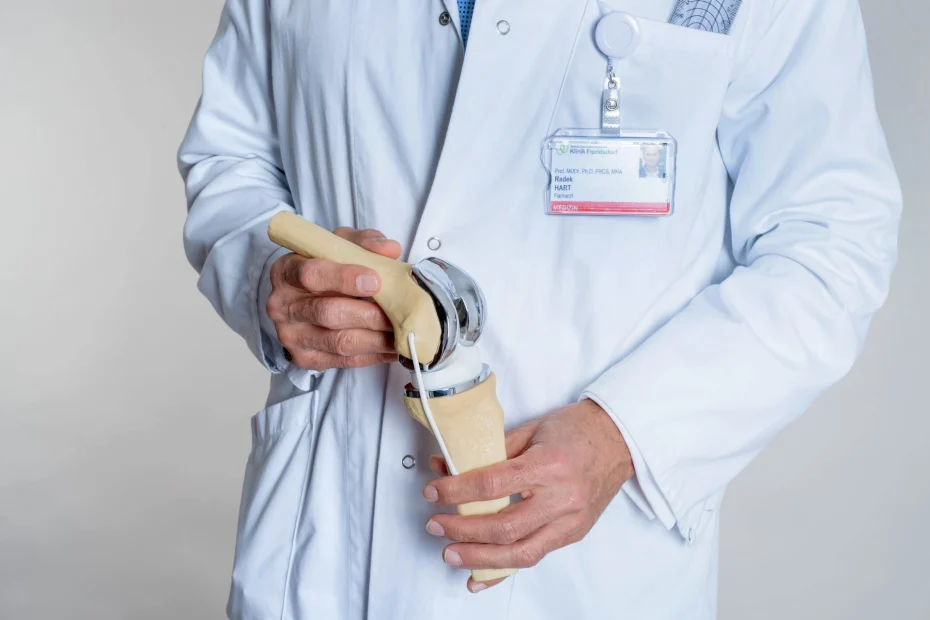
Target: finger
[320, 361]
[519, 438]
[492, 482]
[512, 524]
[282, 299]
[372, 240]
[438, 465]
[524, 554]
[281, 266]
[342, 342]
[322, 276]
[336, 312]
[518, 441]
[477, 586]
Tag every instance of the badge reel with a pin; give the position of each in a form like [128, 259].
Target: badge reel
[611, 170]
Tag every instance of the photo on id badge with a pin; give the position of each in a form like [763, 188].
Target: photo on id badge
[611, 175]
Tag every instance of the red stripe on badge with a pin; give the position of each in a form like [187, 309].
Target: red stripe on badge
[610, 208]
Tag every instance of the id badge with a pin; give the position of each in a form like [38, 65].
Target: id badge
[611, 170]
[593, 172]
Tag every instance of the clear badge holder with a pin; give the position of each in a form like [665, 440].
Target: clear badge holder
[595, 173]
[611, 170]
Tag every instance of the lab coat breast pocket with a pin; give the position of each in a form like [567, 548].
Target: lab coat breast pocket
[276, 482]
[675, 81]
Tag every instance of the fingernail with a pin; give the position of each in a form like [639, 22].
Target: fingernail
[478, 587]
[367, 283]
[435, 529]
[431, 494]
[452, 558]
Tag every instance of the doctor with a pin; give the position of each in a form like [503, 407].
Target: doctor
[643, 362]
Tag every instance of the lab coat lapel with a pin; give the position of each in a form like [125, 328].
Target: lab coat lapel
[517, 54]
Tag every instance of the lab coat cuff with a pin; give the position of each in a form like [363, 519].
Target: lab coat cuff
[642, 488]
[272, 350]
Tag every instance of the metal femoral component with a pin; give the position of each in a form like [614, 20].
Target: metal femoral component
[460, 304]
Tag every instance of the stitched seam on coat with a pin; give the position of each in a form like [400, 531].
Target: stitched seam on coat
[351, 523]
[310, 430]
[568, 68]
[350, 116]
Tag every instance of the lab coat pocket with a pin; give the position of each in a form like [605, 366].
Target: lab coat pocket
[276, 480]
[662, 35]
[675, 81]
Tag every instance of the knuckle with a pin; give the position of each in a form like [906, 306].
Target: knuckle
[344, 343]
[309, 275]
[367, 315]
[290, 310]
[489, 486]
[459, 534]
[326, 312]
[525, 470]
[304, 340]
[507, 533]
[576, 502]
[274, 309]
[286, 336]
[558, 461]
[529, 555]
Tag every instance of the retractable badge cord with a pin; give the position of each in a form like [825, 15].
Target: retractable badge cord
[611, 170]
[617, 36]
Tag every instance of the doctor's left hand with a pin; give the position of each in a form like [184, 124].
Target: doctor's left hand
[567, 465]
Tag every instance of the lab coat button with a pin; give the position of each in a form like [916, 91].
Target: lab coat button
[503, 26]
[434, 243]
[409, 462]
[444, 18]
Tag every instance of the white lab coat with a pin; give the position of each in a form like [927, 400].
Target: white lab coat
[702, 334]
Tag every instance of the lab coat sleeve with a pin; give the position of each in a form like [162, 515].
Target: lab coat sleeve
[231, 164]
[813, 219]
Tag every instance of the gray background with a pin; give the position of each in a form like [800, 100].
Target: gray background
[124, 401]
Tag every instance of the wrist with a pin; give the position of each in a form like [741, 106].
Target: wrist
[605, 429]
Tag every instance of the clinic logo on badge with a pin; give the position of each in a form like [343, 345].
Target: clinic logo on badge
[562, 148]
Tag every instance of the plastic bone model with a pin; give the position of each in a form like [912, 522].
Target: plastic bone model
[437, 312]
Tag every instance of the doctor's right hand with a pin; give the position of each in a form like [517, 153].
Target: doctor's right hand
[322, 310]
